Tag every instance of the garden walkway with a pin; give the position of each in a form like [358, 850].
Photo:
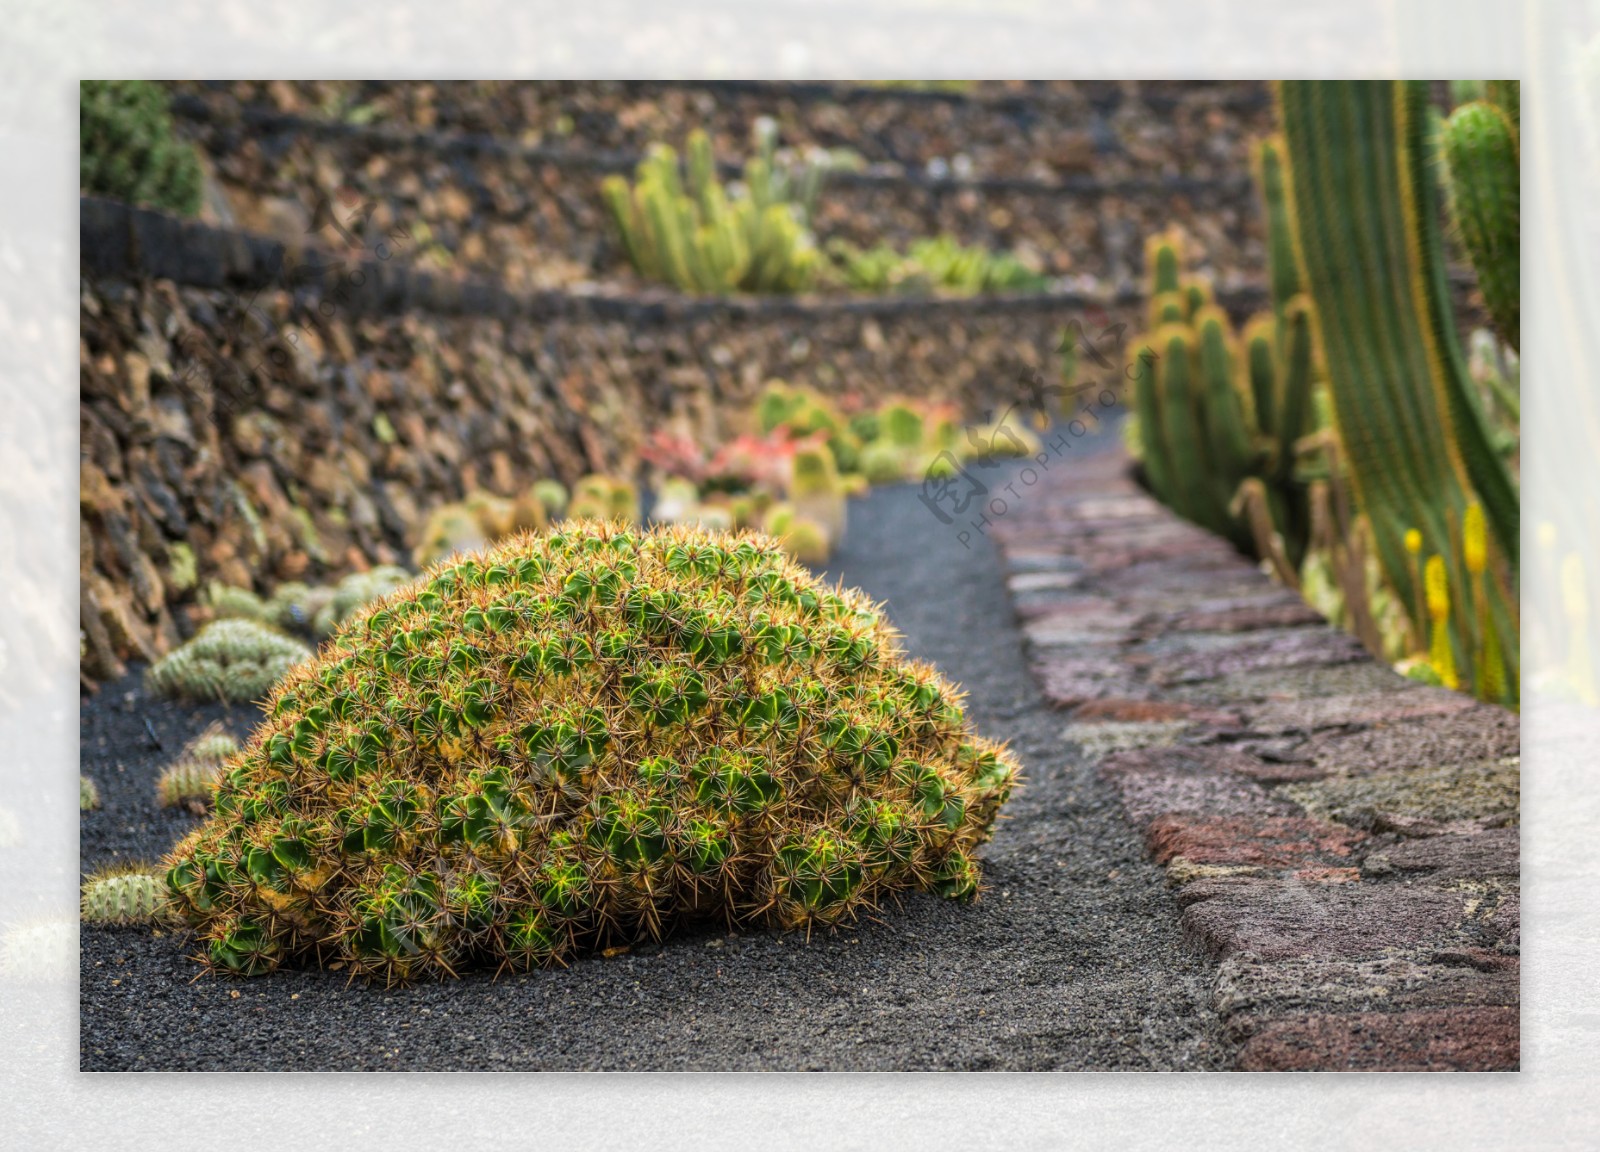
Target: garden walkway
[1241, 842]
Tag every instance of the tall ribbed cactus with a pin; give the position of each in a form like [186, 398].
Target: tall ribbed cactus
[1283, 267]
[1366, 216]
[1481, 157]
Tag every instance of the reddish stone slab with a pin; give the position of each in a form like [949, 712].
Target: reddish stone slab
[1068, 618]
[1251, 993]
[1193, 780]
[1490, 853]
[1327, 875]
[1507, 921]
[1245, 614]
[1278, 920]
[1269, 842]
[1250, 653]
[1479, 1039]
[1358, 709]
[1473, 733]
[1068, 681]
[1134, 709]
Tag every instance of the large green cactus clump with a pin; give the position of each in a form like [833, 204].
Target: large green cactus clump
[1481, 156]
[681, 226]
[127, 148]
[584, 738]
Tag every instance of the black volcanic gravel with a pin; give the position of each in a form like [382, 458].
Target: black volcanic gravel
[1071, 960]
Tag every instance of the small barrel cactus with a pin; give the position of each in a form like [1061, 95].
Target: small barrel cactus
[584, 738]
[123, 897]
[232, 659]
[194, 775]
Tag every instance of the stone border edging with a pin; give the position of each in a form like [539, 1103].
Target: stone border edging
[1344, 842]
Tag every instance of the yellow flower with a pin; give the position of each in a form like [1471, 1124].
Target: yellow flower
[1475, 539]
[1438, 586]
[1413, 541]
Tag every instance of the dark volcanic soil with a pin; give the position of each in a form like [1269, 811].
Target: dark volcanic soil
[1071, 960]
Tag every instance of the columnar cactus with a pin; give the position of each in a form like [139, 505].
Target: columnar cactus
[1482, 169]
[694, 235]
[1361, 180]
[586, 737]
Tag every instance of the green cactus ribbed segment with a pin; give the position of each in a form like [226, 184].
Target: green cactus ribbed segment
[1479, 147]
[1157, 460]
[1506, 95]
[1261, 370]
[1182, 434]
[584, 738]
[1365, 211]
[1161, 258]
[1283, 266]
[1230, 452]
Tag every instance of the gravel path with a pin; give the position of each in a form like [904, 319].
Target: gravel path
[1071, 960]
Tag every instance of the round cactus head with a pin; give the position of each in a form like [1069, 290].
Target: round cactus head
[580, 738]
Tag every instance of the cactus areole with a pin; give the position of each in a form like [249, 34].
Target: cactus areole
[580, 739]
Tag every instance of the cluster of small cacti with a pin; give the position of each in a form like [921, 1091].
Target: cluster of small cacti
[601, 497]
[127, 148]
[482, 518]
[234, 659]
[681, 226]
[584, 738]
[124, 896]
[194, 775]
[1219, 419]
[305, 608]
[1481, 148]
[938, 263]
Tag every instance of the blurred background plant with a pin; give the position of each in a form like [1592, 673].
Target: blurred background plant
[128, 149]
[679, 224]
[1351, 442]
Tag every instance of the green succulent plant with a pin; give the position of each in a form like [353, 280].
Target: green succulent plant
[123, 896]
[88, 794]
[679, 225]
[194, 775]
[580, 738]
[127, 148]
[232, 660]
